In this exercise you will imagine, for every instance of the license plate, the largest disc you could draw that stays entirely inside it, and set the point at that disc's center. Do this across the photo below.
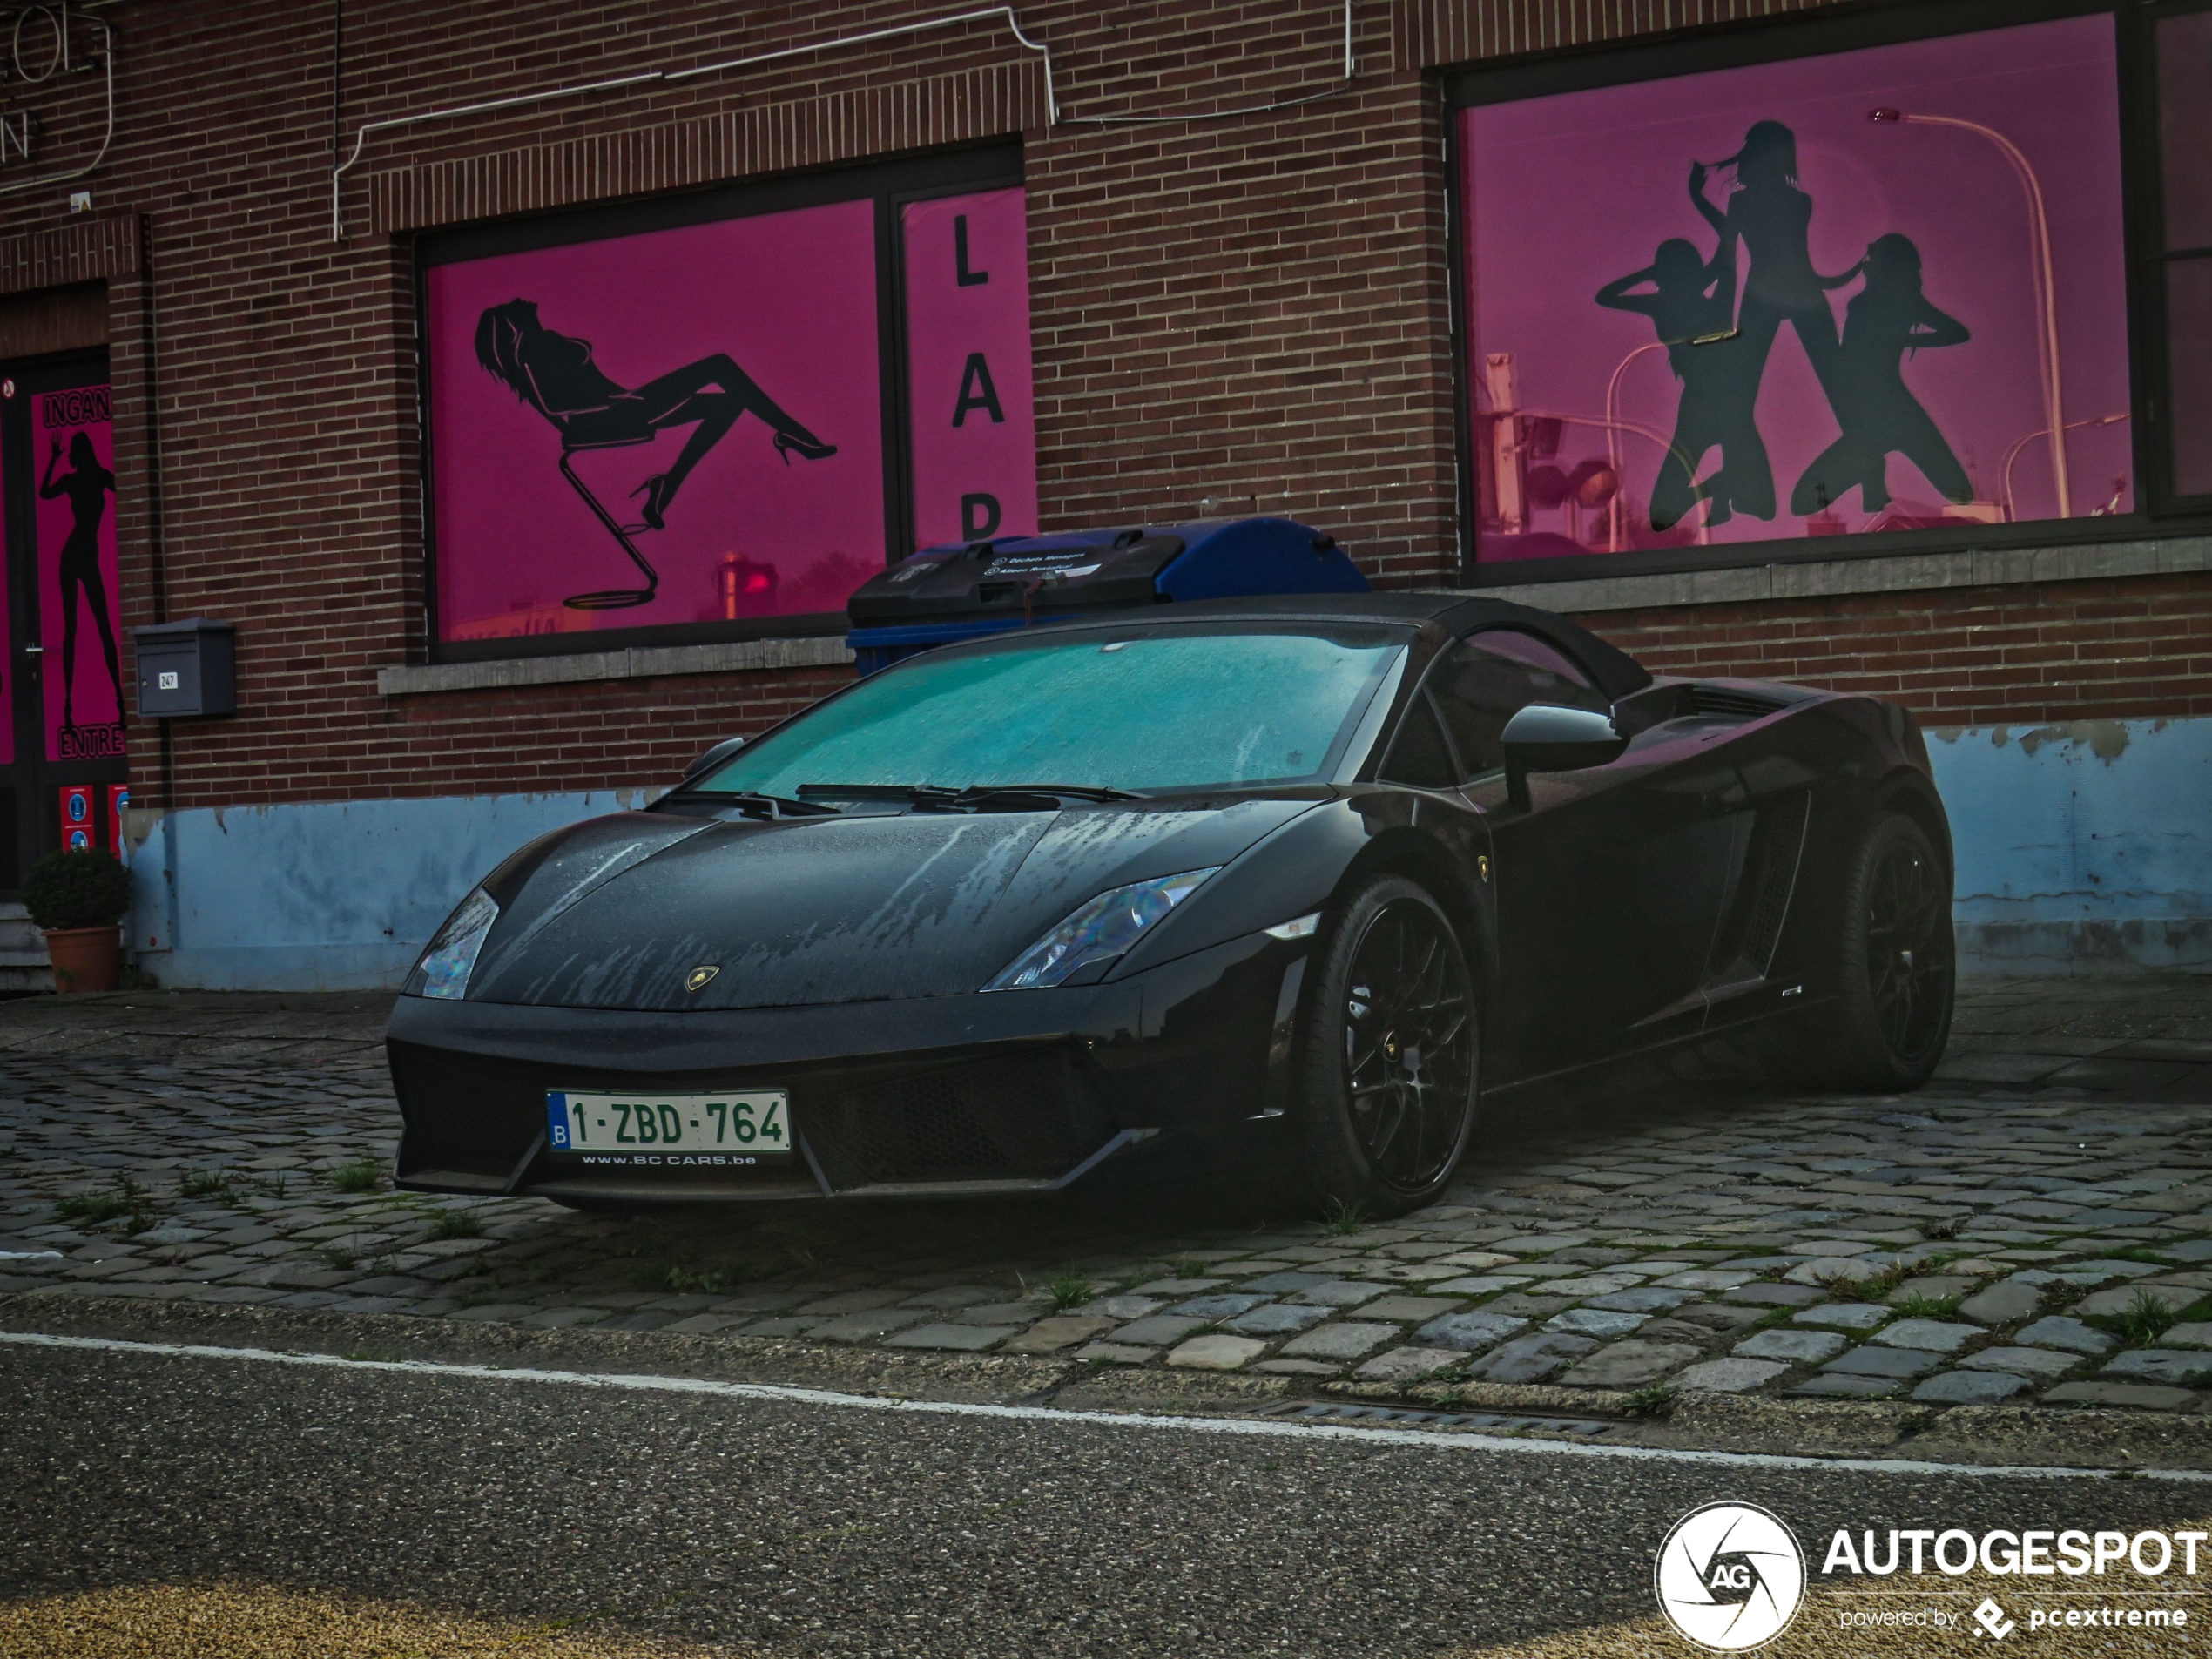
(688, 1129)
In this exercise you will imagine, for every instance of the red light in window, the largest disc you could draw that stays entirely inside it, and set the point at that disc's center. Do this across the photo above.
(744, 587)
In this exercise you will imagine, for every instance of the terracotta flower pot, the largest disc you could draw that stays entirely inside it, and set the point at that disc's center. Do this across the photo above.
(86, 959)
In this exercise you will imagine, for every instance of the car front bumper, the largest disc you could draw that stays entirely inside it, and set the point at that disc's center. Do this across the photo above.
(1020, 1091)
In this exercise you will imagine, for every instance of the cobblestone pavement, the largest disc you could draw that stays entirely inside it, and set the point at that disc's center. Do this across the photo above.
(2035, 1225)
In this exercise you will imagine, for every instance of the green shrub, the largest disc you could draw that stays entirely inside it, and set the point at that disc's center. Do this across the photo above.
(86, 889)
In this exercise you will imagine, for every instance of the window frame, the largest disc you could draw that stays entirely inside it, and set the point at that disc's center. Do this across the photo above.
(889, 185)
(1423, 700)
(1820, 33)
(2150, 257)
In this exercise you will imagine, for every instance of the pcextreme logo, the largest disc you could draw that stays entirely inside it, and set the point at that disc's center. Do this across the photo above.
(1729, 1577)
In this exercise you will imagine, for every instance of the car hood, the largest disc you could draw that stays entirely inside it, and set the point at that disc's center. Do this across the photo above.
(617, 913)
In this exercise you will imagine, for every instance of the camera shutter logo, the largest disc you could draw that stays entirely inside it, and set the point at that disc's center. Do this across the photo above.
(1729, 1577)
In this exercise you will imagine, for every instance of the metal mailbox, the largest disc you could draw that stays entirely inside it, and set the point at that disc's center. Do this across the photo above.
(187, 669)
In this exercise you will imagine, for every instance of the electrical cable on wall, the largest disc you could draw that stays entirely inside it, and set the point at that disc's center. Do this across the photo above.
(658, 76)
(646, 78)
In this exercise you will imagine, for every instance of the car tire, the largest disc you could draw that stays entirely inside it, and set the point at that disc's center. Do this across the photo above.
(1383, 1121)
(1895, 969)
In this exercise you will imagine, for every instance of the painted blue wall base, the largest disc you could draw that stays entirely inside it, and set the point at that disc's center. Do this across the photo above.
(2081, 848)
(2038, 948)
(336, 897)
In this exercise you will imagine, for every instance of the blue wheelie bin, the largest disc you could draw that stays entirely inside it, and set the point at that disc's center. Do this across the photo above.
(964, 589)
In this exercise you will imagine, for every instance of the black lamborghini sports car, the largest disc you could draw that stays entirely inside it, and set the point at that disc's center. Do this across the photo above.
(1329, 871)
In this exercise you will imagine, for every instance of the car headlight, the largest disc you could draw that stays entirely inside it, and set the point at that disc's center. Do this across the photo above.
(1097, 931)
(451, 954)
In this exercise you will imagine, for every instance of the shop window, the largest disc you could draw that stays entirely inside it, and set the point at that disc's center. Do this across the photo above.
(717, 415)
(1817, 281)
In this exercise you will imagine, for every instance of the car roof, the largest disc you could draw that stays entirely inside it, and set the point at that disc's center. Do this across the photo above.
(1617, 673)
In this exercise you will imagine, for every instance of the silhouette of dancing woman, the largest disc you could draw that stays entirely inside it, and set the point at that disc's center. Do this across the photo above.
(1690, 300)
(1772, 217)
(1885, 320)
(87, 485)
(556, 374)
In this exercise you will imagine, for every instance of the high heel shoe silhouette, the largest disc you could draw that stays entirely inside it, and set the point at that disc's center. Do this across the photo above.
(808, 450)
(655, 490)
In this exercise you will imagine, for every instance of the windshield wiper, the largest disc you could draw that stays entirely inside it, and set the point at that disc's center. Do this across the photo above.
(1073, 791)
(876, 792)
(754, 804)
(938, 797)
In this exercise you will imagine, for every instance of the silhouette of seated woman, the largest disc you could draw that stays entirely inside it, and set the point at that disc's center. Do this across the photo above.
(1886, 319)
(1692, 302)
(555, 373)
(87, 484)
(1772, 217)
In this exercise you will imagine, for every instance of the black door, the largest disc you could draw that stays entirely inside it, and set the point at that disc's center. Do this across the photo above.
(62, 767)
(1609, 887)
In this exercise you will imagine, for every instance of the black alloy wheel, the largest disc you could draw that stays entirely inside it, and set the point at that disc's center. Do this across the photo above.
(1896, 967)
(1390, 1056)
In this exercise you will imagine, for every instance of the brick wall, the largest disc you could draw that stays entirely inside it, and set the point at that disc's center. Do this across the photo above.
(549, 737)
(1250, 311)
(2055, 650)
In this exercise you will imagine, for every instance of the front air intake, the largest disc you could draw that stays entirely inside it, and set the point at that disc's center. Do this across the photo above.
(1023, 1117)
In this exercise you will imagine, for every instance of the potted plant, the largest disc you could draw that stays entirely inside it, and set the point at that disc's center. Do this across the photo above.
(78, 899)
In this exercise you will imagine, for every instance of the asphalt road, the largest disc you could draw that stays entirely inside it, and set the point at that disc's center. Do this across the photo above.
(798, 1527)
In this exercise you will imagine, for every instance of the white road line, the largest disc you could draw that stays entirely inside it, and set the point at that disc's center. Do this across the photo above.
(1258, 1428)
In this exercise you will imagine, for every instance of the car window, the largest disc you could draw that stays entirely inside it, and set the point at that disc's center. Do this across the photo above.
(1420, 757)
(1526, 647)
(1489, 678)
(1162, 707)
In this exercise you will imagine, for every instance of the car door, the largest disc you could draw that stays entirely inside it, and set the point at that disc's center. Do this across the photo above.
(1609, 887)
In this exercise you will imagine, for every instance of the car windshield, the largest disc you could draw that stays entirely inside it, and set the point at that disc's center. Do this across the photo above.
(1174, 709)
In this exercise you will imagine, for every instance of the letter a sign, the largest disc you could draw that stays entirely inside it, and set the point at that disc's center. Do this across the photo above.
(973, 413)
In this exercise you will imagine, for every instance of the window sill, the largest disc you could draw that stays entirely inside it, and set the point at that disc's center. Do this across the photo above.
(1900, 573)
(734, 656)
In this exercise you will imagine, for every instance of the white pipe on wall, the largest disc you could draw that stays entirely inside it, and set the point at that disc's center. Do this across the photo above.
(648, 76)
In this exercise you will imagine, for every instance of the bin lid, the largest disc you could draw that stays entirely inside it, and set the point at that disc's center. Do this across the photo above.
(1034, 578)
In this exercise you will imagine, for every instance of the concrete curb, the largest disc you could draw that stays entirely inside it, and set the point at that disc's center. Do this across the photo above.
(2057, 1437)
(2084, 1437)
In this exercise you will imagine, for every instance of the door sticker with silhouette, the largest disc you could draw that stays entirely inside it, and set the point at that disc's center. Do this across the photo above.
(73, 448)
(63, 768)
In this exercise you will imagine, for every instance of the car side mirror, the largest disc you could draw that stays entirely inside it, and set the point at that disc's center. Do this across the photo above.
(713, 758)
(1546, 738)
